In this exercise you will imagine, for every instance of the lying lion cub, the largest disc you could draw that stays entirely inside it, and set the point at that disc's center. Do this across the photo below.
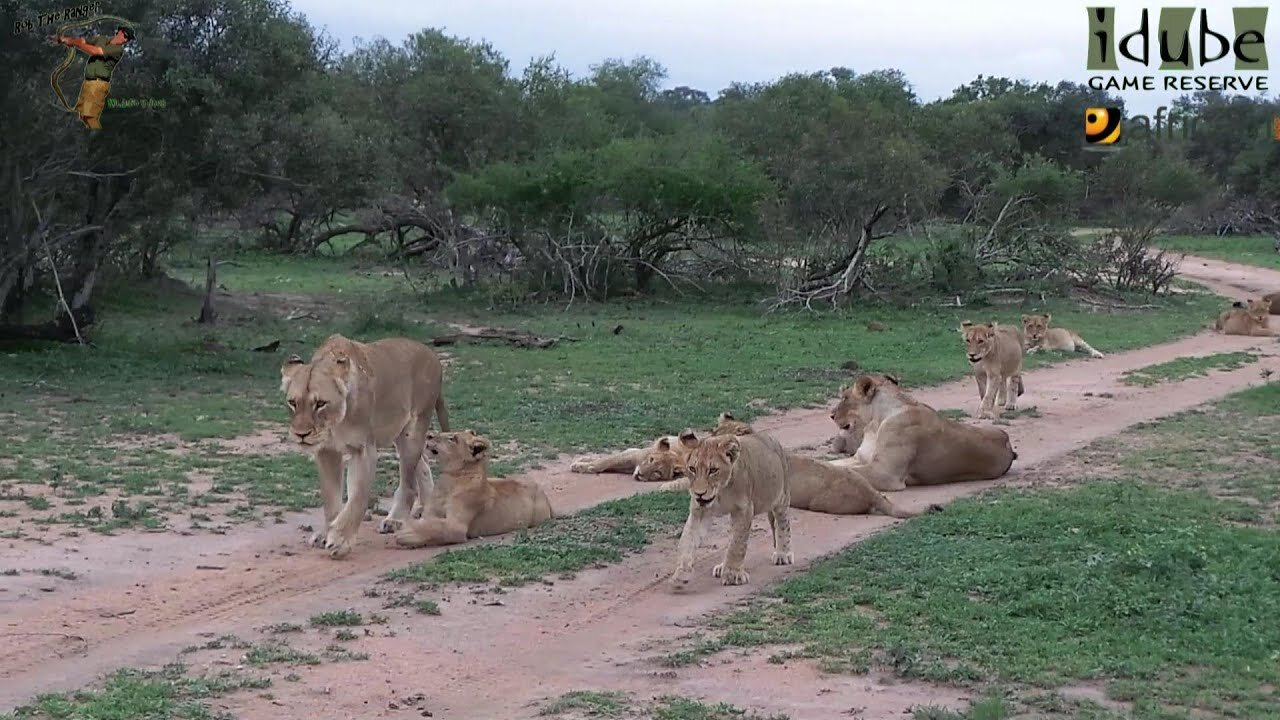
(995, 351)
(475, 506)
(1253, 319)
(1042, 337)
(738, 476)
(905, 442)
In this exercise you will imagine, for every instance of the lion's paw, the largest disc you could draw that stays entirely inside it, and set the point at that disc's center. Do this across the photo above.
(730, 576)
(582, 466)
(338, 546)
(681, 578)
(389, 525)
(783, 558)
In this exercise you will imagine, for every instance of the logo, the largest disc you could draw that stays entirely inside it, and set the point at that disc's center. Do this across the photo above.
(1101, 125)
(1181, 38)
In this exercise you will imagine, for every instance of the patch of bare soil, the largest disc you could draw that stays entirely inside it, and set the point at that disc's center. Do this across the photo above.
(495, 659)
(264, 441)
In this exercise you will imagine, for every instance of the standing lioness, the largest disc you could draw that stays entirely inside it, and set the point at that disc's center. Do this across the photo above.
(995, 351)
(350, 400)
(1042, 337)
(740, 476)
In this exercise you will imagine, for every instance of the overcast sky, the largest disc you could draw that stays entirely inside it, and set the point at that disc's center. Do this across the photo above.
(707, 44)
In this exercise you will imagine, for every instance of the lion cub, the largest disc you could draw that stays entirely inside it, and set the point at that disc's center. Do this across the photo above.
(995, 351)
(474, 506)
(1253, 319)
(740, 476)
(1042, 337)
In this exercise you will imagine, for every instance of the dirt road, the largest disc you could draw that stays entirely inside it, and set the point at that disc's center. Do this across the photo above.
(140, 599)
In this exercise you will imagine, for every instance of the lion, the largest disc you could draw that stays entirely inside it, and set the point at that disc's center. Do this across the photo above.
(905, 442)
(474, 506)
(656, 463)
(740, 476)
(995, 351)
(351, 399)
(1254, 319)
(817, 485)
(1042, 337)
(1273, 302)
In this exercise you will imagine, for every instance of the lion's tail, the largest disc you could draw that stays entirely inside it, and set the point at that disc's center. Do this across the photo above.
(678, 484)
(442, 413)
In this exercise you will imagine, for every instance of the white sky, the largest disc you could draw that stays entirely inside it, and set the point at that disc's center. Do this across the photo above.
(706, 44)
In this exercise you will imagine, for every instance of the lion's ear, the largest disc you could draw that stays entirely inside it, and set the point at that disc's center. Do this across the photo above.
(476, 443)
(1026, 318)
(664, 444)
(964, 326)
(732, 448)
(689, 438)
(1047, 318)
(892, 378)
(865, 386)
(726, 416)
(291, 365)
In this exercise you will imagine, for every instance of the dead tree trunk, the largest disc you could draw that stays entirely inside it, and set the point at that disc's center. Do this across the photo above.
(207, 315)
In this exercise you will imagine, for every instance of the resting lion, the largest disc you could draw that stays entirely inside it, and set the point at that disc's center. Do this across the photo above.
(1042, 337)
(995, 351)
(1254, 319)
(906, 442)
(740, 476)
(652, 464)
(474, 505)
(351, 399)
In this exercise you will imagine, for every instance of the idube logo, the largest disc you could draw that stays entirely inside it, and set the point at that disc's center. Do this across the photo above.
(1101, 125)
(1176, 42)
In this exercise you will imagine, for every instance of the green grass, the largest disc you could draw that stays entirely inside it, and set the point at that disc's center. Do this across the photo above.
(426, 607)
(337, 618)
(1249, 250)
(156, 695)
(1158, 582)
(596, 536)
(608, 704)
(1187, 367)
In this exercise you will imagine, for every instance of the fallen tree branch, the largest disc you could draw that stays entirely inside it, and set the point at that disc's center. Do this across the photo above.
(1117, 306)
(519, 339)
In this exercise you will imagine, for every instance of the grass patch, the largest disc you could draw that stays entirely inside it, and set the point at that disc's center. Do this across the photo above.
(337, 618)
(275, 653)
(597, 704)
(156, 695)
(599, 535)
(1187, 367)
(1259, 250)
(1158, 583)
(427, 607)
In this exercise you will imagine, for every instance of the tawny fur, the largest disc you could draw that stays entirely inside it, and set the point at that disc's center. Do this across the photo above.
(474, 505)
(995, 351)
(1254, 319)
(631, 460)
(1040, 336)
(739, 476)
(1273, 303)
(351, 399)
(905, 442)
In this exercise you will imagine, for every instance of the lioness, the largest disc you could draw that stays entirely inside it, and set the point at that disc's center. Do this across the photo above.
(650, 464)
(741, 476)
(475, 505)
(1042, 337)
(351, 399)
(995, 351)
(905, 442)
(727, 424)
(1253, 319)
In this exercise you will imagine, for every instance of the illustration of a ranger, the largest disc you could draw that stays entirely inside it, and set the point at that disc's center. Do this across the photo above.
(104, 53)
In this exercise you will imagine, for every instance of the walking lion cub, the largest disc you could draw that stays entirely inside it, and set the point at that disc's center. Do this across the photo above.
(1042, 337)
(740, 476)
(995, 351)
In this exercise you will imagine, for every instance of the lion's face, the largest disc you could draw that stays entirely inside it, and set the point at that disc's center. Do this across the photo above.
(853, 409)
(1259, 308)
(978, 340)
(316, 394)
(663, 462)
(710, 466)
(458, 447)
(1035, 327)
